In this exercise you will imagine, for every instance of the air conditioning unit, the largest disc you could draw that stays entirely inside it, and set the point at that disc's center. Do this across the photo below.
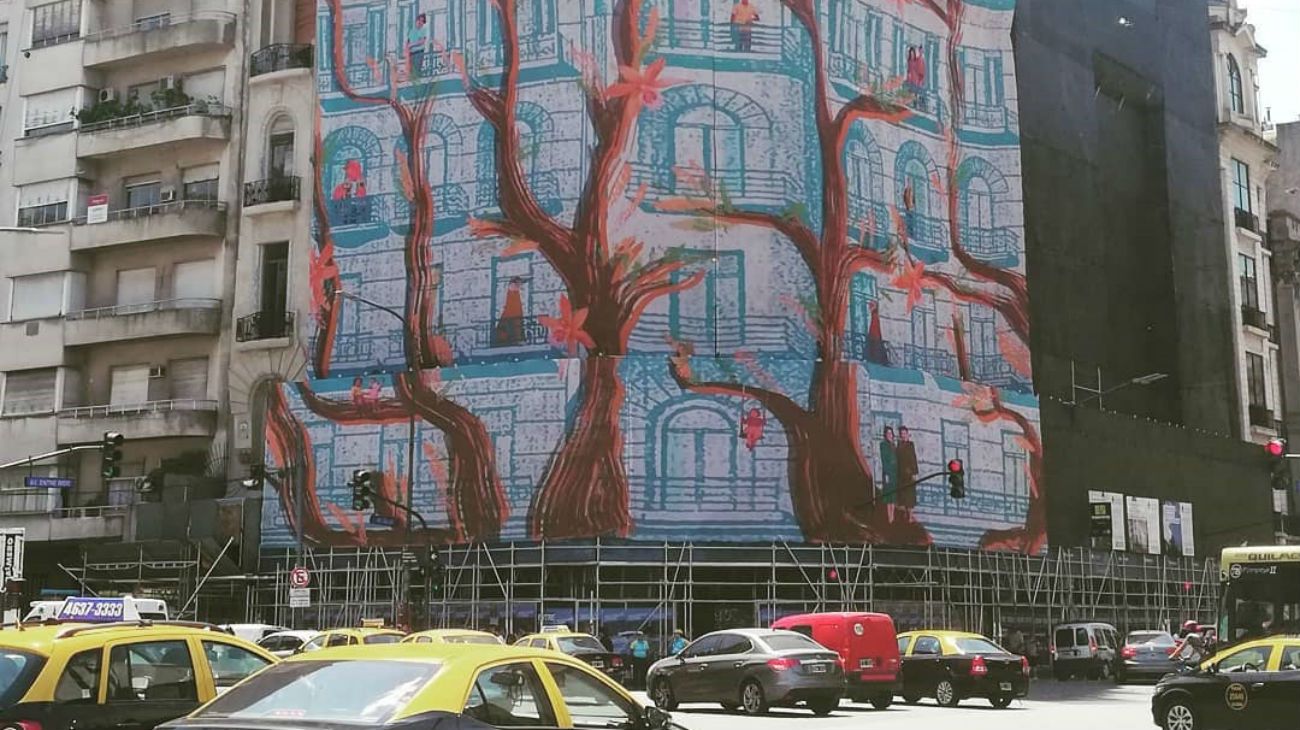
(169, 83)
(158, 371)
(107, 95)
(167, 194)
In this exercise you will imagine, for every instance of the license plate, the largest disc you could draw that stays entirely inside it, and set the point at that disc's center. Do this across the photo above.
(817, 668)
(1005, 686)
(598, 664)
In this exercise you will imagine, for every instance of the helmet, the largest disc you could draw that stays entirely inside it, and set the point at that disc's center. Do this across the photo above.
(1190, 626)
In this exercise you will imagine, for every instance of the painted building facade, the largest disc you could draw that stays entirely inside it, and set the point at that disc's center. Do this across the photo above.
(737, 272)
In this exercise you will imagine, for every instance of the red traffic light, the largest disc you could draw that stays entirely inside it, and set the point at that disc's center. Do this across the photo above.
(1275, 447)
(955, 466)
(832, 574)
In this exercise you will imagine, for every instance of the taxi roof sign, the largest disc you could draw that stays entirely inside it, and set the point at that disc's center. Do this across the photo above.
(97, 610)
(372, 623)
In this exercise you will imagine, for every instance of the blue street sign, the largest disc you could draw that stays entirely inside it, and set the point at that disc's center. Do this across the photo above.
(92, 609)
(49, 482)
(382, 520)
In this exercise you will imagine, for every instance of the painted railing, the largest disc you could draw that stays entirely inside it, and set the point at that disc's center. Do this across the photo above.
(991, 244)
(986, 117)
(754, 186)
(720, 37)
(544, 185)
(737, 495)
(858, 74)
(512, 332)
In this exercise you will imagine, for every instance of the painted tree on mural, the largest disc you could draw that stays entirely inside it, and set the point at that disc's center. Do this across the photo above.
(476, 505)
(584, 490)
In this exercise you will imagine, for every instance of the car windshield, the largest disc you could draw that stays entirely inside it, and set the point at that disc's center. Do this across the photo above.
(364, 691)
(18, 669)
(382, 639)
(471, 639)
(1155, 638)
(790, 642)
(968, 645)
(570, 644)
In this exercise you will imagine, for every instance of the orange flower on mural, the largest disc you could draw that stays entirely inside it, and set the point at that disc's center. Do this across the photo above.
(643, 87)
(566, 329)
(910, 280)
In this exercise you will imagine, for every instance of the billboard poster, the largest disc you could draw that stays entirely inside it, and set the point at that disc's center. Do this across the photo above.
(1114, 506)
(1176, 529)
(1143, 515)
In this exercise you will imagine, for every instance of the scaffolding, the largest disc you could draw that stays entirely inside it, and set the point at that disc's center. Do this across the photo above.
(656, 588)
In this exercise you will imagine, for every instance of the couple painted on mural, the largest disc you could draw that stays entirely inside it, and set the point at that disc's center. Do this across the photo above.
(363, 395)
(899, 469)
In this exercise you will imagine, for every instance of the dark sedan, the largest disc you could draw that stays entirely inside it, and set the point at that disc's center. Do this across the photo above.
(750, 670)
(951, 666)
(1255, 685)
(1145, 655)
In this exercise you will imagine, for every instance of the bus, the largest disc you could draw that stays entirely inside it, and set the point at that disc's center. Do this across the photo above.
(1261, 591)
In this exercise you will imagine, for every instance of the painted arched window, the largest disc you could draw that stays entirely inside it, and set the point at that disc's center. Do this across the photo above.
(915, 170)
(697, 459)
(1236, 92)
(712, 140)
(860, 170)
(535, 129)
(279, 148)
(441, 144)
(917, 178)
(977, 204)
(534, 18)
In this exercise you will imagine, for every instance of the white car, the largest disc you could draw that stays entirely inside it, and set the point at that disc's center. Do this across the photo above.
(252, 632)
(286, 643)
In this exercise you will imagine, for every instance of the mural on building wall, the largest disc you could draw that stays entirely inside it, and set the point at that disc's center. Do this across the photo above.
(665, 269)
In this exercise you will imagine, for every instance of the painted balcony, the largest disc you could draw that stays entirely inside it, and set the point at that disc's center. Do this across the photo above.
(927, 237)
(984, 117)
(851, 71)
(159, 38)
(162, 222)
(768, 189)
(545, 187)
(870, 223)
(194, 122)
(994, 246)
(933, 360)
(509, 337)
(722, 40)
(164, 318)
(149, 420)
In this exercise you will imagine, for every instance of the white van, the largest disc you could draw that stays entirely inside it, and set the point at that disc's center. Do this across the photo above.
(1085, 648)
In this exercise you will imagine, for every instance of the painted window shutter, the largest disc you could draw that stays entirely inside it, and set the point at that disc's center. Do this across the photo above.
(37, 296)
(189, 378)
(194, 280)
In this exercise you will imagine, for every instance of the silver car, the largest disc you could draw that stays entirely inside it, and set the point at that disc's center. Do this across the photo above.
(750, 670)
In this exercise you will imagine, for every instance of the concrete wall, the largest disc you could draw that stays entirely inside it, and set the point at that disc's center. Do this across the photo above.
(96, 364)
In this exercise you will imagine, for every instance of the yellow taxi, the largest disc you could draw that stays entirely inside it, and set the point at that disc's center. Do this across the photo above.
(466, 686)
(1254, 684)
(352, 637)
(581, 646)
(121, 676)
(452, 636)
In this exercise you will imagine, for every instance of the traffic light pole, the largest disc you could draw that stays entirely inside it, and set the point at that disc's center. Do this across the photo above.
(380, 498)
(904, 487)
(29, 460)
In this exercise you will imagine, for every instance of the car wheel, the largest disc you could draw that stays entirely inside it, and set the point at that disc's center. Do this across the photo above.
(663, 696)
(945, 693)
(752, 699)
(882, 702)
(911, 699)
(1105, 670)
(1179, 715)
(822, 706)
(1001, 702)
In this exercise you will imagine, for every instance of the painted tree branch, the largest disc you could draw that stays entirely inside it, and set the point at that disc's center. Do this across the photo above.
(324, 270)
(780, 405)
(384, 411)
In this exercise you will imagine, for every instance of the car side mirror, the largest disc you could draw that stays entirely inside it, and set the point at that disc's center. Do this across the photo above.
(1212, 668)
(656, 719)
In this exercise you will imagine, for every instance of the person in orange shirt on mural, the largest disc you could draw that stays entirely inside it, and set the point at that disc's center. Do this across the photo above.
(510, 325)
(743, 18)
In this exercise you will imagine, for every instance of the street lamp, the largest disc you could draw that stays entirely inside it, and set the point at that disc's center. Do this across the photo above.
(1097, 395)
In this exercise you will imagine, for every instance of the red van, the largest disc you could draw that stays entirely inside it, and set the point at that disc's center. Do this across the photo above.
(866, 644)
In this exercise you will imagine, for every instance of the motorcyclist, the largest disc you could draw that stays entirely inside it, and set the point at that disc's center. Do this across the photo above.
(1189, 652)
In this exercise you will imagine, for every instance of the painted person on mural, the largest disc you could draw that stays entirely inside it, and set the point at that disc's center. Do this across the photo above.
(908, 471)
(743, 18)
(876, 351)
(888, 471)
(510, 325)
(417, 41)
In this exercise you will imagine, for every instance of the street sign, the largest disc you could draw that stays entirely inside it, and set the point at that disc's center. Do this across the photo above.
(299, 598)
(11, 554)
(97, 208)
(382, 520)
(49, 482)
(299, 577)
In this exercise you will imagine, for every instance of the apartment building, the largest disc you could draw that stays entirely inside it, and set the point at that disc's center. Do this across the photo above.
(123, 174)
(1246, 159)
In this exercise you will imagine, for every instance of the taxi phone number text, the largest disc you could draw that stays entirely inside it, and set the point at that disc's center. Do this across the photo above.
(95, 610)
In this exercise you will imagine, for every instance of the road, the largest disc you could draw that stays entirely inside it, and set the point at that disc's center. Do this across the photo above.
(1050, 705)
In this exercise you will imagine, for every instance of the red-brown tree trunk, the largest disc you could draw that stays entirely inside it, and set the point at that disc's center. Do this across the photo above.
(584, 492)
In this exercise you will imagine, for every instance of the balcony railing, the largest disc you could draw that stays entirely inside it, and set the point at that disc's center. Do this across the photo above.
(157, 116)
(1246, 219)
(1252, 317)
(984, 116)
(266, 325)
(706, 35)
(143, 211)
(352, 211)
(280, 57)
(271, 190)
(132, 409)
(1260, 416)
(514, 332)
(157, 22)
(162, 305)
(990, 243)
(849, 68)
(933, 360)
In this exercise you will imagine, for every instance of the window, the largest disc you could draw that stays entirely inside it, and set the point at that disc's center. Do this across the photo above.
(862, 294)
(189, 378)
(49, 112)
(231, 664)
(153, 670)
(195, 279)
(1236, 92)
(340, 640)
(80, 679)
(1290, 658)
(56, 23)
(1241, 186)
(135, 286)
(1015, 465)
(382, 639)
(1255, 380)
(1249, 281)
(316, 643)
(711, 140)
(537, 643)
(977, 204)
(274, 280)
(572, 644)
(128, 385)
(707, 646)
(279, 157)
(1081, 637)
(732, 644)
(903, 641)
(36, 296)
(978, 646)
(956, 442)
(1254, 659)
(509, 695)
(927, 645)
(436, 144)
(786, 642)
(423, 640)
(512, 288)
(43, 215)
(591, 703)
(29, 391)
(142, 193)
(712, 311)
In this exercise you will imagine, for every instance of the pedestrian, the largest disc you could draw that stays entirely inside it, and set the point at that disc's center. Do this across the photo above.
(640, 660)
(678, 643)
(743, 18)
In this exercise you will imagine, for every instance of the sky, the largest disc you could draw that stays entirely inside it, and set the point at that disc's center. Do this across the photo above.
(1277, 28)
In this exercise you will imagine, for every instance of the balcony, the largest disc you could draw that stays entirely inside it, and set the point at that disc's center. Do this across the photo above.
(196, 121)
(71, 523)
(513, 335)
(165, 221)
(1247, 220)
(1261, 416)
(721, 38)
(150, 420)
(1252, 317)
(280, 57)
(165, 318)
(265, 325)
(993, 246)
(768, 189)
(271, 190)
(156, 38)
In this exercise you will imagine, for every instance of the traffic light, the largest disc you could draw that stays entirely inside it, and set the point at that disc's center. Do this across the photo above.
(151, 482)
(1278, 471)
(436, 572)
(956, 479)
(360, 484)
(110, 454)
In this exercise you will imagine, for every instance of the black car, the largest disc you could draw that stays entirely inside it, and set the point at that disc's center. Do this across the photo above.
(1254, 685)
(951, 666)
(1145, 655)
(750, 670)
